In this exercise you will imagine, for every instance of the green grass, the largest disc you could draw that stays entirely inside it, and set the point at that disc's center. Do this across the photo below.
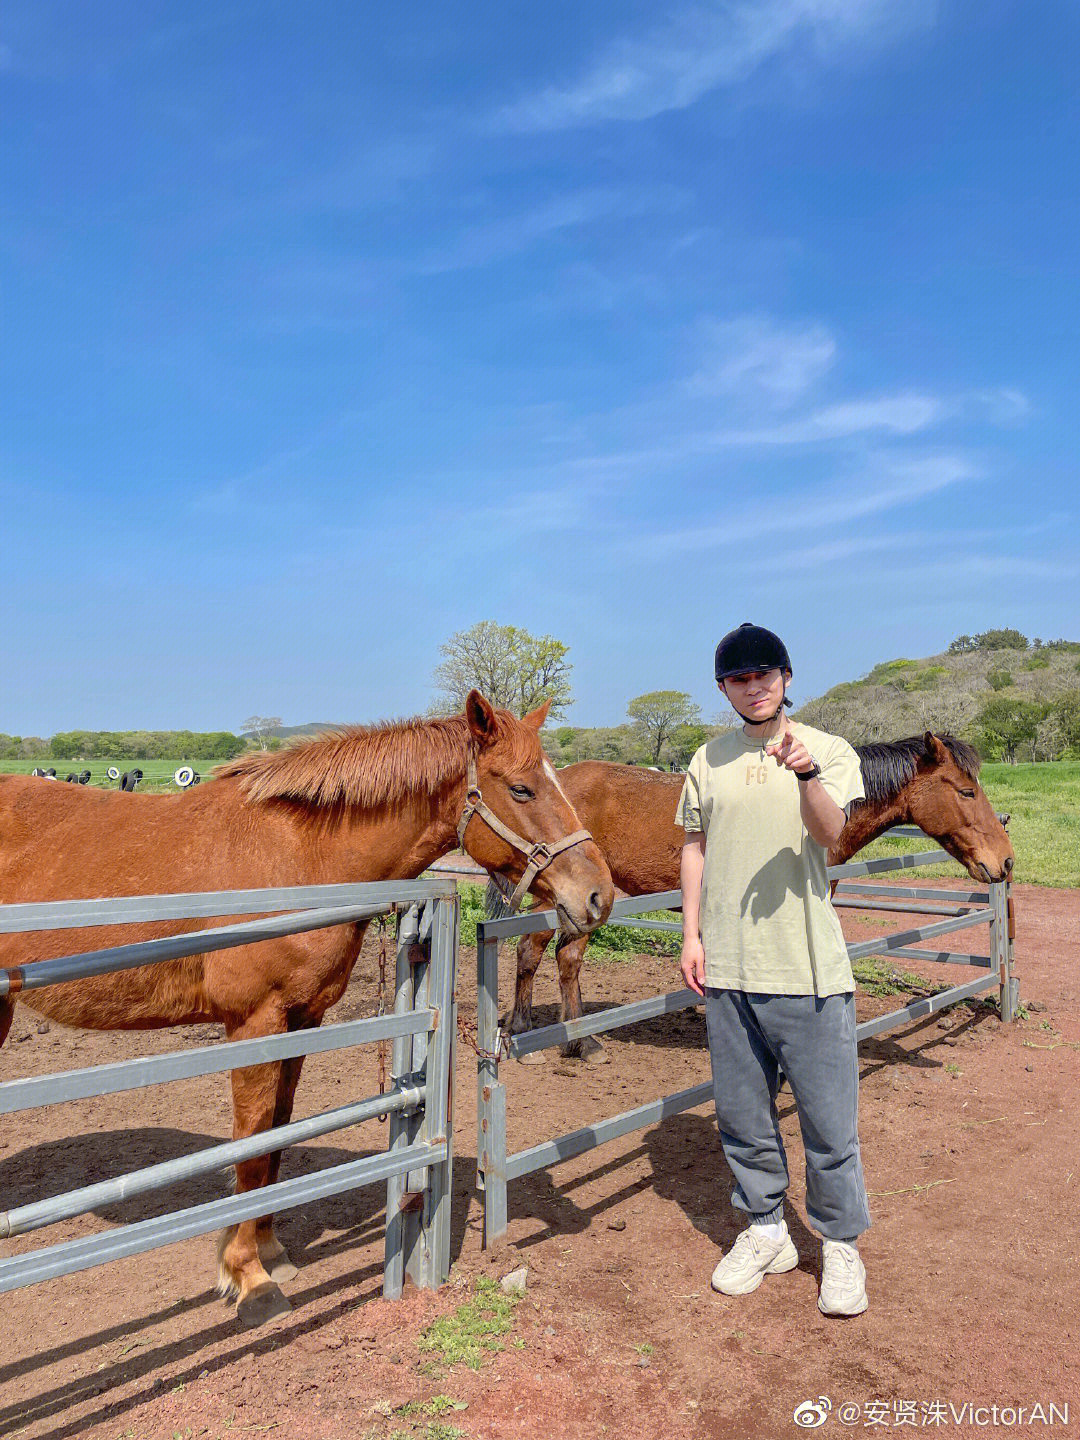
(472, 1331)
(157, 774)
(608, 942)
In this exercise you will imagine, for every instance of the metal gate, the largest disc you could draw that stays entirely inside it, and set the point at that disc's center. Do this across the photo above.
(417, 1163)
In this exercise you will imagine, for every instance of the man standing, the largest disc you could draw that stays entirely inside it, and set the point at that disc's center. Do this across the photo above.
(762, 943)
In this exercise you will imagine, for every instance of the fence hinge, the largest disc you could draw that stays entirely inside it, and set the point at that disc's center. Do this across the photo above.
(411, 1200)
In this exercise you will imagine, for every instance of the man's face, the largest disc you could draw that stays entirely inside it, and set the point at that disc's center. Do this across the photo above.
(756, 694)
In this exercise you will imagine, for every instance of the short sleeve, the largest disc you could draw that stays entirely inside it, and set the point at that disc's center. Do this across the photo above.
(841, 774)
(688, 810)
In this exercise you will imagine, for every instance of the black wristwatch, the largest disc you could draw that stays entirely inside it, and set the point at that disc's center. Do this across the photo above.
(804, 775)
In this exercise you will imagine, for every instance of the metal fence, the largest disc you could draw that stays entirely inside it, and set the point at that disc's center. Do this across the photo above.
(962, 910)
(417, 1163)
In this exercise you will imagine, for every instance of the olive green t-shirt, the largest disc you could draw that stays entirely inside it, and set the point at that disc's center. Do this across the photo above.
(767, 922)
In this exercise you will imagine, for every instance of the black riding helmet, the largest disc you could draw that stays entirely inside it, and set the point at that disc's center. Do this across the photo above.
(749, 648)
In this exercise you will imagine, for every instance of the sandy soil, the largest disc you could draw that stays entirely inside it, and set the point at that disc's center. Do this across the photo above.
(972, 1161)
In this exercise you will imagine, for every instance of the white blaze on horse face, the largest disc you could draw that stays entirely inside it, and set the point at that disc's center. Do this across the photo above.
(550, 773)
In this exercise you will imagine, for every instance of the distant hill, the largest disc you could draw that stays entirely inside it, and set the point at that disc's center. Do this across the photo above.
(983, 688)
(286, 732)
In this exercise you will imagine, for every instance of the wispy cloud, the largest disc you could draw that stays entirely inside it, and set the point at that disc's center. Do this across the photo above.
(753, 357)
(507, 235)
(885, 483)
(707, 47)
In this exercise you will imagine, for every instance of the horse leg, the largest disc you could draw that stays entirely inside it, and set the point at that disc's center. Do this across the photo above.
(255, 1091)
(272, 1253)
(530, 951)
(7, 1014)
(569, 955)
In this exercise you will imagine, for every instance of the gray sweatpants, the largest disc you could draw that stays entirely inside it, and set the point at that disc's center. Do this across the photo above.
(812, 1040)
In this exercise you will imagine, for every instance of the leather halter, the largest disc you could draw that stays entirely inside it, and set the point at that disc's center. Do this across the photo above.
(538, 856)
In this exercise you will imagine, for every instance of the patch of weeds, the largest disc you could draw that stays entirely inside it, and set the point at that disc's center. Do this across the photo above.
(433, 1430)
(645, 1349)
(463, 1337)
(878, 977)
(437, 1405)
(953, 1069)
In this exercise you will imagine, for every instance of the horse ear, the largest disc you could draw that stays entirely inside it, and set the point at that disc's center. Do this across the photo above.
(935, 748)
(536, 717)
(481, 718)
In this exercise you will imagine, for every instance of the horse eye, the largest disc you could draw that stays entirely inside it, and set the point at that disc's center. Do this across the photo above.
(968, 794)
(521, 792)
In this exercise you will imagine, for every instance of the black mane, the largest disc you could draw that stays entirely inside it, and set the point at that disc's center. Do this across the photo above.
(887, 766)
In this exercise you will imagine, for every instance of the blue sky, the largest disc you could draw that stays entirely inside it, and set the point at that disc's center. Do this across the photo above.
(331, 329)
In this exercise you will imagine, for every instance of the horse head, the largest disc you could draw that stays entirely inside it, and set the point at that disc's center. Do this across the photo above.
(946, 801)
(518, 824)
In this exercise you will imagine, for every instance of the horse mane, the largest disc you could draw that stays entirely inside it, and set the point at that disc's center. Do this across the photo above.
(887, 766)
(374, 766)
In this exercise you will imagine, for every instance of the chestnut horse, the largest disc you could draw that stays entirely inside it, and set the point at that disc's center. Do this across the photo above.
(362, 805)
(926, 780)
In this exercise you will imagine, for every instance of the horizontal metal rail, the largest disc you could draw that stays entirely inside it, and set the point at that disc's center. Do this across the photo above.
(908, 892)
(924, 932)
(850, 902)
(577, 1142)
(83, 1254)
(941, 957)
(40, 973)
(203, 1162)
(887, 862)
(110, 1079)
(130, 909)
(925, 1006)
(531, 1040)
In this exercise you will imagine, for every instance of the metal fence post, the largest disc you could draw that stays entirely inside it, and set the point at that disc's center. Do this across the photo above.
(438, 1116)
(403, 1127)
(1001, 939)
(491, 1093)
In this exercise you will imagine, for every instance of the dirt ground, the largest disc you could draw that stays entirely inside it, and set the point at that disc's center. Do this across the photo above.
(972, 1159)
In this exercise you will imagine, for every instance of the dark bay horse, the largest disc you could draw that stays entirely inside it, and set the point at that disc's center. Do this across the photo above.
(367, 804)
(926, 780)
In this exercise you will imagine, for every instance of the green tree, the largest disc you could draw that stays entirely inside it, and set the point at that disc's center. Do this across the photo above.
(1001, 640)
(259, 728)
(1006, 726)
(999, 679)
(657, 714)
(962, 644)
(513, 668)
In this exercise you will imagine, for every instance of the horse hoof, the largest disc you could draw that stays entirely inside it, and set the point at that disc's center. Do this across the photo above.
(588, 1050)
(261, 1305)
(280, 1268)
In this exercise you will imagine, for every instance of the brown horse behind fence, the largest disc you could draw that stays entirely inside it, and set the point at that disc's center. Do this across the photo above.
(362, 805)
(926, 780)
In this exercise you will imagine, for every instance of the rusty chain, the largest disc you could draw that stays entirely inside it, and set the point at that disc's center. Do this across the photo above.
(468, 1032)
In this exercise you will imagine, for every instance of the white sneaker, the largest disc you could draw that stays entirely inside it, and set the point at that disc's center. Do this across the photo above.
(843, 1280)
(751, 1258)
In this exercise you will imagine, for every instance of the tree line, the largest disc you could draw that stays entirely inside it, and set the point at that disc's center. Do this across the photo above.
(180, 745)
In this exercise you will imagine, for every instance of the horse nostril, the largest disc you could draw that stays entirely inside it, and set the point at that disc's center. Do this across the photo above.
(595, 906)
(1008, 866)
